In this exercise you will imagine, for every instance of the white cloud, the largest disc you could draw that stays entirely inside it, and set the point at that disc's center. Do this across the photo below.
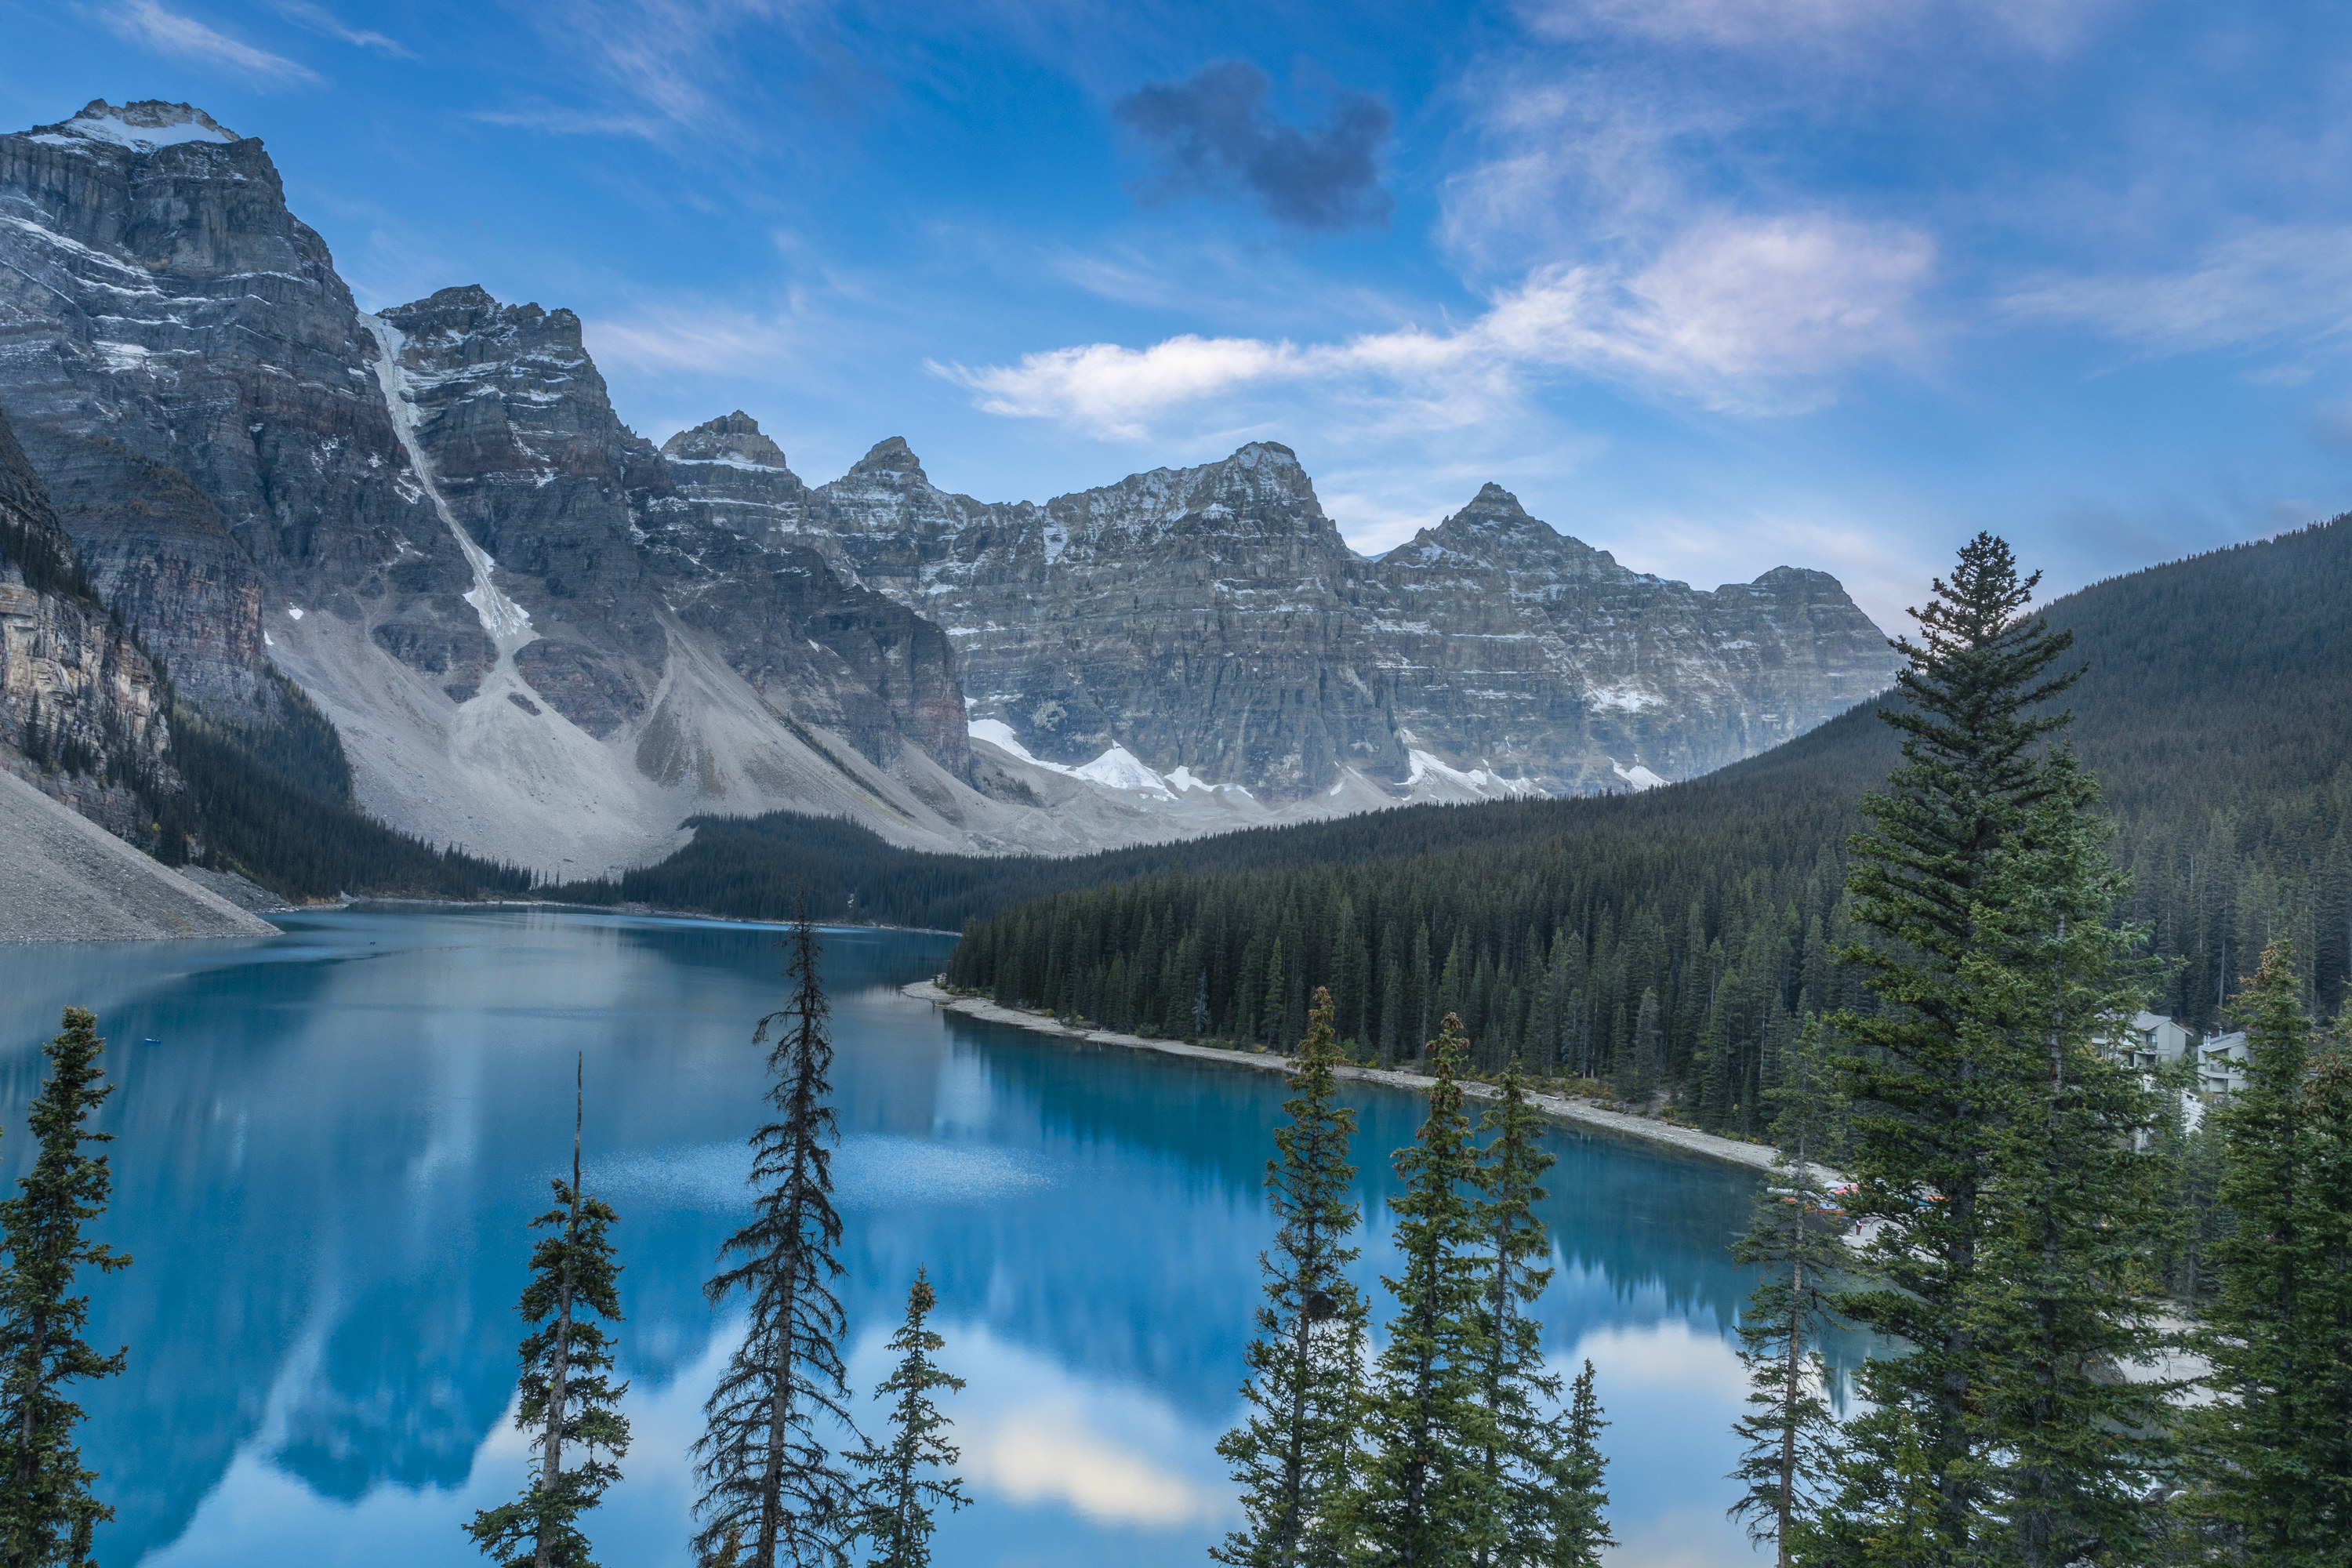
(149, 25)
(1741, 315)
(2256, 285)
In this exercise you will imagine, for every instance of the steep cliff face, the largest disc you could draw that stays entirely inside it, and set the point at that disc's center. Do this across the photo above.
(81, 711)
(1211, 623)
(158, 294)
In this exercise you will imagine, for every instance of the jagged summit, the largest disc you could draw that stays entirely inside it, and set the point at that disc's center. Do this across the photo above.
(142, 126)
(729, 439)
(892, 459)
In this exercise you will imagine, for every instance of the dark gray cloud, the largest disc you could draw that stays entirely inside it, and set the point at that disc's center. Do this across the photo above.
(1216, 132)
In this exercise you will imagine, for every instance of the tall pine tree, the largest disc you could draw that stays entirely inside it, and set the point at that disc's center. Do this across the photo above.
(1525, 1436)
(2070, 1449)
(48, 1512)
(1422, 1499)
(1789, 1436)
(903, 1484)
(1925, 1094)
(567, 1393)
(1580, 1518)
(767, 1477)
(2274, 1473)
(1291, 1457)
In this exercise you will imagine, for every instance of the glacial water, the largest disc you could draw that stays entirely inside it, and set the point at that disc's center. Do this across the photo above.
(326, 1159)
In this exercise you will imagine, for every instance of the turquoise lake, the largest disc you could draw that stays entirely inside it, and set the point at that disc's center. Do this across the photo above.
(325, 1163)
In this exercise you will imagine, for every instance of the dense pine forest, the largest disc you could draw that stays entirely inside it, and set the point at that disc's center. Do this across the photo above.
(1673, 941)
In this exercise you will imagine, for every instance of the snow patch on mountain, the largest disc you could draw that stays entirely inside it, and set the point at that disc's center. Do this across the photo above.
(1637, 776)
(1117, 768)
(142, 127)
(1427, 769)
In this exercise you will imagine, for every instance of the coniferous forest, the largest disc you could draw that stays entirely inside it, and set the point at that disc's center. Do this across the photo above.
(1670, 943)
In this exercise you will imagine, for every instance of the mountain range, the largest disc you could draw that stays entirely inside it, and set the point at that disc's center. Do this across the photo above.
(540, 638)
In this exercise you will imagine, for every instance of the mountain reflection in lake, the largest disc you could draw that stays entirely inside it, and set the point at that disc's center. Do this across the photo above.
(326, 1165)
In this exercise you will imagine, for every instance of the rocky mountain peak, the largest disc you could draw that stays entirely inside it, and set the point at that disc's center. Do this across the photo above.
(1272, 455)
(142, 126)
(892, 461)
(729, 439)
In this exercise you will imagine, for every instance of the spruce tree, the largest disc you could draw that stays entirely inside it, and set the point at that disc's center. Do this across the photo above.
(1580, 1520)
(567, 1393)
(1525, 1437)
(1423, 1500)
(1925, 1093)
(767, 1477)
(1291, 1457)
(2272, 1449)
(902, 1484)
(1789, 1434)
(2069, 1449)
(48, 1512)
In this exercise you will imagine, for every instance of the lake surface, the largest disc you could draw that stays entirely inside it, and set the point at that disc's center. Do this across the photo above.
(325, 1166)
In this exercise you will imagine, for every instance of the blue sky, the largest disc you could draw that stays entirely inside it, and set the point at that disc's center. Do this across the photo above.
(1714, 284)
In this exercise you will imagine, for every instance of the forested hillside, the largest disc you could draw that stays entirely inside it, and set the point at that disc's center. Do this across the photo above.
(1672, 939)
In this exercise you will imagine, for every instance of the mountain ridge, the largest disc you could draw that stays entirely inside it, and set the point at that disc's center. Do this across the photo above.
(546, 639)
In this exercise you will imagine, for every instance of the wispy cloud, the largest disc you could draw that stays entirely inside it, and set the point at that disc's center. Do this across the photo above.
(1751, 317)
(151, 25)
(570, 122)
(319, 20)
(671, 339)
(2255, 287)
(674, 60)
(2042, 26)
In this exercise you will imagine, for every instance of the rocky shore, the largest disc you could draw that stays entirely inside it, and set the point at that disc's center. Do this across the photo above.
(1576, 1112)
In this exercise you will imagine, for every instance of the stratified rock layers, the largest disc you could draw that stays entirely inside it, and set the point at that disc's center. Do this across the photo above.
(1212, 619)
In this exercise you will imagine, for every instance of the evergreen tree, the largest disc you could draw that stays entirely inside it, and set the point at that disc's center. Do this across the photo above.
(2069, 1449)
(567, 1394)
(48, 1512)
(1525, 1439)
(901, 1484)
(1291, 1456)
(766, 1474)
(2273, 1449)
(1579, 1523)
(1423, 1501)
(1789, 1434)
(1924, 1092)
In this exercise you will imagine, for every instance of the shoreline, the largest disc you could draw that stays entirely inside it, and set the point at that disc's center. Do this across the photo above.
(634, 911)
(1581, 1114)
